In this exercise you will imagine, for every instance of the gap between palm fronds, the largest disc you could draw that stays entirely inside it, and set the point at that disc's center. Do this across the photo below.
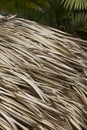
(43, 78)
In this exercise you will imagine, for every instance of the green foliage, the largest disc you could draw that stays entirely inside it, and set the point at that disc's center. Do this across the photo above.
(16, 5)
(75, 4)
(76, 20)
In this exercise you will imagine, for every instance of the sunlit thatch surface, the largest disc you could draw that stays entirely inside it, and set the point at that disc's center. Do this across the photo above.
(43, 78)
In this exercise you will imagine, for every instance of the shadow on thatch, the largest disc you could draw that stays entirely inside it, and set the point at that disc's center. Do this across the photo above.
(43, 78)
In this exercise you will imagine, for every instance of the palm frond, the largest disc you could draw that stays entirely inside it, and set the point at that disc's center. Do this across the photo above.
(75, 4)
(79, 18)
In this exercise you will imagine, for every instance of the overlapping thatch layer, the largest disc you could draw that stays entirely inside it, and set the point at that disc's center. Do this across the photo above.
(43, 78)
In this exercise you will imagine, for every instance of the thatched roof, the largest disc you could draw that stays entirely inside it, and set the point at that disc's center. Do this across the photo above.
(43, 78)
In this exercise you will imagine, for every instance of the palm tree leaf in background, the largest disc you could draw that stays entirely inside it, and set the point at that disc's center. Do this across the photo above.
(75, 4)
(79, 17)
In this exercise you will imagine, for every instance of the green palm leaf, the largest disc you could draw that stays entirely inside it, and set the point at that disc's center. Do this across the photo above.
(79, 18)
(75, 4)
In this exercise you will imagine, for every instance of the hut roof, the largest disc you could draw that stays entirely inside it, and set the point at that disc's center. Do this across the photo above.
(43, 78)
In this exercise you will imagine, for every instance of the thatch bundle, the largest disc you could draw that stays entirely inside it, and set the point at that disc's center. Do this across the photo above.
(43, 78)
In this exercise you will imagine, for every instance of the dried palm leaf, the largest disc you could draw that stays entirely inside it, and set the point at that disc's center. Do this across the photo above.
(43, 78)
